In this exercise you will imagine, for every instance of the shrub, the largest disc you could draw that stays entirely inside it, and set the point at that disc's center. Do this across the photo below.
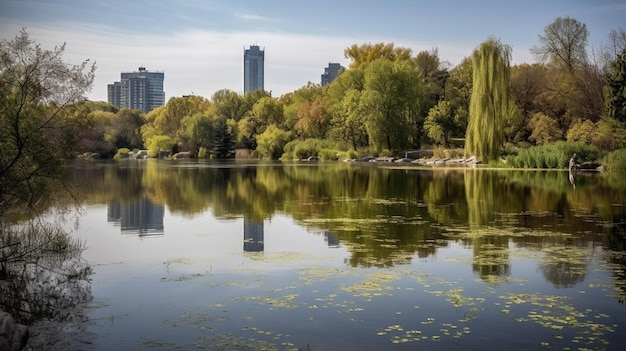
(615, 161)
(301, 149)
(203, 153)
(553, 155)
(121, 153)
(347, 155)
(328, 155)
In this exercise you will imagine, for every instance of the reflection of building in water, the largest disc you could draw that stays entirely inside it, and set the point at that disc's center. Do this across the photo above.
(141, 217)
(331, 239)
(252, 236)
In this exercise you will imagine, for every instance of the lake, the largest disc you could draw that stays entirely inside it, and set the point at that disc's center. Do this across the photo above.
(336, 256)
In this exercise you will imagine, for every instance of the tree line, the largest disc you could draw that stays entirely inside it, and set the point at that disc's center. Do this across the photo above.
(390, 100)
(387, 101)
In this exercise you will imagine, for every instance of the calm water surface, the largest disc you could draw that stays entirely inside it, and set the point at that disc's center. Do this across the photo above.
(251, 256)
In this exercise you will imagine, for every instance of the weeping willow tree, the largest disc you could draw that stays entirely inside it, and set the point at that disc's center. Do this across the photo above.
(489, 101)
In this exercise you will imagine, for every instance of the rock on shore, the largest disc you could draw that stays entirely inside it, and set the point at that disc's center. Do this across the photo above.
(13, 336)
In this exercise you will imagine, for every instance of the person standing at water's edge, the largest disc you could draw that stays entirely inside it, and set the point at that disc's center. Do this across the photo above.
(572, 163)
(572, 169)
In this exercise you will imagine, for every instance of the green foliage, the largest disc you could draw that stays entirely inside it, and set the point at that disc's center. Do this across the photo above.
(167, 120)
(615, 161)
(100, 106)
(229, 105)
(489, 101)
(271, 142)
(157, 144)
(299, 149)
(545, 129)
(371, 52)
(203, 153)
(514, 126)
(196, 132)
(348, 124)
(582, 131)
(351, 154)
(121, 153)
(328, 155)
(554, 155)
(223, 143)
(378, 104)
(266, 112)
(41, 116)
(615, 90)
(439, 122)
(611, 134)
(387, 100)
(308, 103)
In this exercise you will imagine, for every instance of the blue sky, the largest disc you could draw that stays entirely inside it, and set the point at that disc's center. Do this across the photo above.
(199, 44)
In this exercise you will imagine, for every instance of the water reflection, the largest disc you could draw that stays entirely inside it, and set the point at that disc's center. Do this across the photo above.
(384, 217)
(252, 236)
(434, 240)
(141, 217)
(331, 239)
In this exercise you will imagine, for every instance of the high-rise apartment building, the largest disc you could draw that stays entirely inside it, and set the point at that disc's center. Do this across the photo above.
(253, 69)
(330, 73)
(141, 90)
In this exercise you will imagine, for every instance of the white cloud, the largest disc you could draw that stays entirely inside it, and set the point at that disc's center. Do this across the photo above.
(247, 16)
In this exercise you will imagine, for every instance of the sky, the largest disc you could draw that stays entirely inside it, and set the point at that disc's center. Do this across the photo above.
(199, 44)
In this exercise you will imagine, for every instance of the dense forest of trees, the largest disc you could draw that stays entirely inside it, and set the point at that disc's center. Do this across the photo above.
(390, 100)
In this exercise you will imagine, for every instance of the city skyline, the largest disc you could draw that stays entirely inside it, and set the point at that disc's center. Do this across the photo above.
(198, 43)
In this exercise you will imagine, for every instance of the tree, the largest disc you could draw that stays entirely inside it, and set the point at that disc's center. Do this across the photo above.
(614, 48)
(272, 142)
(544, 129)
(370, 52)
(582, 131)
(196, 132)
(297, 103)
(266, 111)
(223, 143)
(615, 90)
(127, 125)
(563, 44)
(168, 120)
(440, 123)
(229, 104)
(41, 115)
(391, 104)
(434, 72)
(347, 120)
(313, 119)
(157, 144)
(39, 95)
(489, 101)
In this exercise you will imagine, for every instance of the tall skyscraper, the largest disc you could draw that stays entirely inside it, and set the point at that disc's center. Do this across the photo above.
(253, 67)
(141, 90)
(330, 73)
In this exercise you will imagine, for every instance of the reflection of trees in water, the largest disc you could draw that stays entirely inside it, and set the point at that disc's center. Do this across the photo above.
(441, 197)
(44, 274)
(491, 256)
(382, 215)
(565, 266)
(614, 252)
(491, 252)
